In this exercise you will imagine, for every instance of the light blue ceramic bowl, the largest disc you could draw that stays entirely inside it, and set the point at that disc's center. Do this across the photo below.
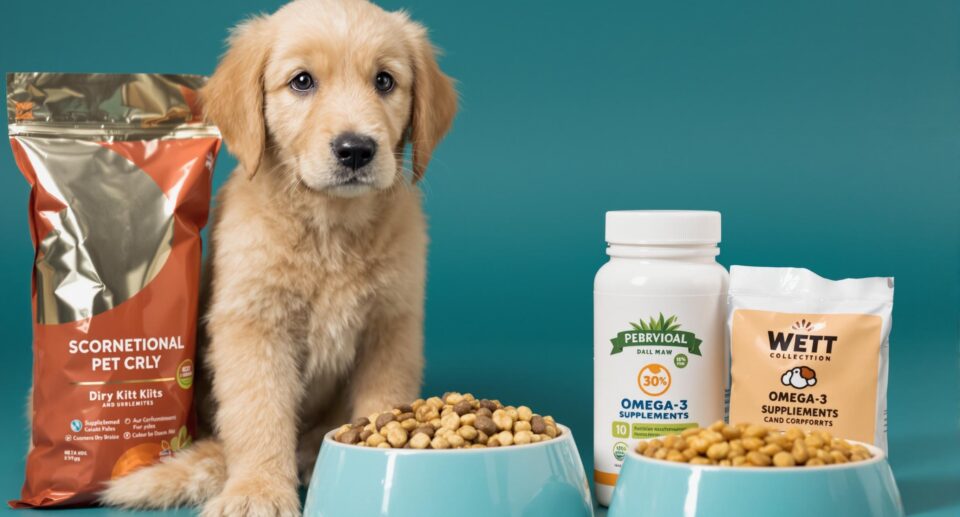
(649, 487)
(537, 480)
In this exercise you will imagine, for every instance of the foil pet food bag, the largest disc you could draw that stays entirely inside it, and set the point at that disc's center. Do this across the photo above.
(120, 172)
(810, 353)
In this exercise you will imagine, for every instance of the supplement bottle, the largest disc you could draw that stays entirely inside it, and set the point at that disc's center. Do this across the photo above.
(659, 315)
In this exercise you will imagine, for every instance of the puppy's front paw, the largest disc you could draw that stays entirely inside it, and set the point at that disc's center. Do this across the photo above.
(254, 501)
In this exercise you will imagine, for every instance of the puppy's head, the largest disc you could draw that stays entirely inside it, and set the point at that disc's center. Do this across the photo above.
(330, 90)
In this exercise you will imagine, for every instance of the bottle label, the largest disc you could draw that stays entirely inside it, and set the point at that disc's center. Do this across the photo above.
(658, 369)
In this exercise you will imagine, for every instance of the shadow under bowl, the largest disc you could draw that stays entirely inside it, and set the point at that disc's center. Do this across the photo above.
(541, 479)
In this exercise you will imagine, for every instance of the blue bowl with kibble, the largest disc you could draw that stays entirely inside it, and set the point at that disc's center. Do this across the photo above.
(652, 487)
(543, 479)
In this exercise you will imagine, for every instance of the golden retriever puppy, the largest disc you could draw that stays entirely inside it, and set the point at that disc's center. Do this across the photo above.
(318, 255)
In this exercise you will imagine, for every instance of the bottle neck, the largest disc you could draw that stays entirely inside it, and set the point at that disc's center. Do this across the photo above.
(691, 252)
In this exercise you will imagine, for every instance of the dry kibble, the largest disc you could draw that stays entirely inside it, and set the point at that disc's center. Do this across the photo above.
(468, 433)
(350, 436)
(375, 440)
(718, 451)
(771, 449)
(503, 420)
(397, 436)
(524, 413)
(419, 441)
(677, 456)
(783, 459)
(452, 421)
(537, 425)
(463, 407)
(486, 425)
(455, 440)
(522, 438)
(758, 459)
(751, 445)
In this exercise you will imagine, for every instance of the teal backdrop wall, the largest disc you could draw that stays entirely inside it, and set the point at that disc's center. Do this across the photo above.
(826, 132)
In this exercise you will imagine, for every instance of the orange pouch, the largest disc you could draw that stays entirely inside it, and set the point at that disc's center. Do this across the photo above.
(120, 172)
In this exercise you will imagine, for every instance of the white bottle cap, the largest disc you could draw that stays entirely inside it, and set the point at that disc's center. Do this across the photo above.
(663, 227)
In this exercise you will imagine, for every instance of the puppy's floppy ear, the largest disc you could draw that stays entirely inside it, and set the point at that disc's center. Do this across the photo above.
(233, 98)
(434, 99)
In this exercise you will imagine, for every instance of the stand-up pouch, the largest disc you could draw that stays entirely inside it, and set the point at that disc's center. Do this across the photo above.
(120, 172)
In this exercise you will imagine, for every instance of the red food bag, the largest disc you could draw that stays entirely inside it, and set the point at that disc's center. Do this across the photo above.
(120, 168)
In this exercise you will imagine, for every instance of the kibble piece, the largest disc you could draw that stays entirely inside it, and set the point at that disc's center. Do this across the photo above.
(468, 432)
(521, 425)
(503, 421)
(524, 413)
(800, 454)
(771, 449)
(522, 438)
(537, 424)
(419, 441)
(784, 459)
(397, 436)
(440, 442)
(486, 425)
(505, 438)
(758, 459)
(730, 432)
(350, 436)
(463, 407)
(375, 439)
(718, 451)
(455, 440)
(451, 421)
(384, 419)
(360, 422)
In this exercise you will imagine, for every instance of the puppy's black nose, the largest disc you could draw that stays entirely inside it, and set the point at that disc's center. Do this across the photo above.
(353, 150)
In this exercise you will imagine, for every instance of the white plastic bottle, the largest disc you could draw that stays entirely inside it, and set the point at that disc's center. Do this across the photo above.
(659, 313)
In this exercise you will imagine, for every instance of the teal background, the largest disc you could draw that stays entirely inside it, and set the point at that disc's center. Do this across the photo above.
(826, 133)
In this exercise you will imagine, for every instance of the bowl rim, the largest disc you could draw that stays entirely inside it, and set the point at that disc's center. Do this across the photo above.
(565, 436)
(878, 456)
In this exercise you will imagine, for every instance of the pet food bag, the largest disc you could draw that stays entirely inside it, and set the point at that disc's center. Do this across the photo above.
(120, 172)
(810, 353)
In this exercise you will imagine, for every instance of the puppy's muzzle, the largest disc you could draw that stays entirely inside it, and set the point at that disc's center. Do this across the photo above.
(353, 150)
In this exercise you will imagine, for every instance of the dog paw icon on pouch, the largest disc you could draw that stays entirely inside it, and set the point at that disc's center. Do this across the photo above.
(799, 377)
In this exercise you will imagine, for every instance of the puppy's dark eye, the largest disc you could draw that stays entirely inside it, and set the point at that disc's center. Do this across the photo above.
(302, 82)
(384, 82)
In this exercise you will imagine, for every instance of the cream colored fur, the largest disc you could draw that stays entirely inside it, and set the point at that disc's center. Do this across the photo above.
(316, 302)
